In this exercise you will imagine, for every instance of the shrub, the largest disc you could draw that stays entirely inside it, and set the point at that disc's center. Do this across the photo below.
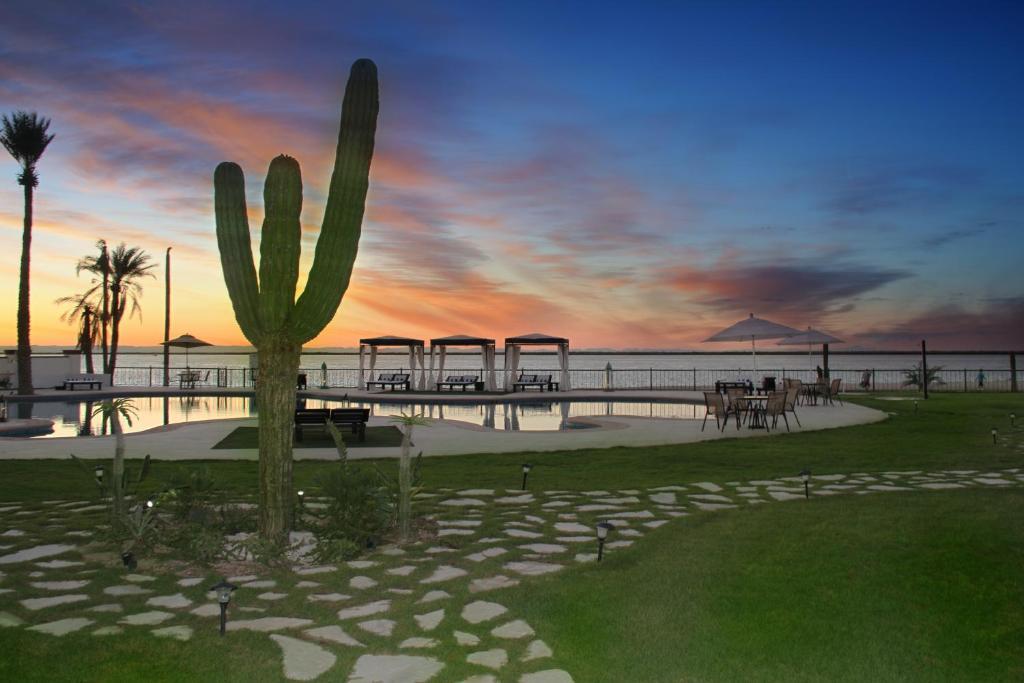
(359, 511)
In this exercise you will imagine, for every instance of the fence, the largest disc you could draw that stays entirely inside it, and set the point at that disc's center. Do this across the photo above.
(653, 379)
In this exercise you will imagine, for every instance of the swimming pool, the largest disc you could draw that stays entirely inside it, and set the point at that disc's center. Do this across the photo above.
(71, 418)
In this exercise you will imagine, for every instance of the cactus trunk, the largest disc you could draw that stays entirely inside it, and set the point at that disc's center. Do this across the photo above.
(266, 308)
(275, 401)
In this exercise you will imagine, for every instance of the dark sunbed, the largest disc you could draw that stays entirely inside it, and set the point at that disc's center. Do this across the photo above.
(541, 382)
(316, 418)
(395, 381)
(463, 381)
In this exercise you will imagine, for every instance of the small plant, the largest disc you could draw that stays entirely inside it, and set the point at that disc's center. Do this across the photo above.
(406, 476)
(359, 511)
(339, 441)
(912, 377)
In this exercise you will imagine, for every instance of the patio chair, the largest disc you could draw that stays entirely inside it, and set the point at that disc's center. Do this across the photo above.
(831, 392)
(775, 408)
(737, 403)
(792, 396)
(714, 404)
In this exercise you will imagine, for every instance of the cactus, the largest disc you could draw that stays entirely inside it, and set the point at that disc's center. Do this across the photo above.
(270, 316)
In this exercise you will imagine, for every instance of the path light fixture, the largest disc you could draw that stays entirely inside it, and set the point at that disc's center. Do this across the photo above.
(98, 473)
(602, 535)
(302, 497)
(806, 476)
(129, 561)
(526, 472)
(1013, 419)
(915, 406)
(995, 433)
(224, 590)
(149, 505)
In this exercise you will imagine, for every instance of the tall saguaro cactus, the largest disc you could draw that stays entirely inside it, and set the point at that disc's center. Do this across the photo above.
(271, 317)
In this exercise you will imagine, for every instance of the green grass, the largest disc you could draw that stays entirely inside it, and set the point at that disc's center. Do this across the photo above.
(376, 437)
(914, 587)
(948, 431)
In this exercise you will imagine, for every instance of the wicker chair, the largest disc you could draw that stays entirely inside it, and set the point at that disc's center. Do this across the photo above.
(714, 404)
(832, 392)
(792, 397)
(775, 408)
(737, 403)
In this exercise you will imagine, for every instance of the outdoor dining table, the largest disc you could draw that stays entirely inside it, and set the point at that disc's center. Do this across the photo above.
(756, 411)
(187, 379)
(813, 391)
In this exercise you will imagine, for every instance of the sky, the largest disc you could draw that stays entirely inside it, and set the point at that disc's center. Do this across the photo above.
(628, 175)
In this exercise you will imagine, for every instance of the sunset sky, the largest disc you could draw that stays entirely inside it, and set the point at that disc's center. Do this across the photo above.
(625, 174)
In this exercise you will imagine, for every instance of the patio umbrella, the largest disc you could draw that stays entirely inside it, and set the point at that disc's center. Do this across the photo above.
(811, 337)
(753, 329)
(186, 341)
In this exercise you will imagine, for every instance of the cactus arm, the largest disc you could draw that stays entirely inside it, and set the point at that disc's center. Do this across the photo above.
(235, 250)
(343, 216)
(280, 243)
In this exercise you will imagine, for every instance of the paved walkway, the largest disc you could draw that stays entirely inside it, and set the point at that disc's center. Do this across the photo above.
(194, 441)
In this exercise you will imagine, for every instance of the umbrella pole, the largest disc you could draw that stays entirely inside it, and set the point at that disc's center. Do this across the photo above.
(753, 347)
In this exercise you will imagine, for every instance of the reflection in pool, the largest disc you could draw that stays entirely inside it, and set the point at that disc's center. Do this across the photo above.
(72, 418)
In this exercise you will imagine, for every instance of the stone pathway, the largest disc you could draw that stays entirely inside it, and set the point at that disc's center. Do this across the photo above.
(389, 616)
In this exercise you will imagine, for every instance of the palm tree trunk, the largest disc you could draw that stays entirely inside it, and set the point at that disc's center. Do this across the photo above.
(85, 340)
(167, 318)
(275, 400)
(117, 471)
(117, 311)
(24, 347)
(105, 320)
(405, 488)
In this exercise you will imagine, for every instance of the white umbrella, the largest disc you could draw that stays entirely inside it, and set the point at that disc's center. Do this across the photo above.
(753, 329)
(186, 341)
(811, 337)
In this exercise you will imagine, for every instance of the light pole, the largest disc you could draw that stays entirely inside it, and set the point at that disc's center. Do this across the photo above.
(602, 535)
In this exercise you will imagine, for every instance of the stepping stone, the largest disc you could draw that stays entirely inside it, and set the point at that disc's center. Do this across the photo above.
(444, 573)
(430, 620)
(332, 634)
(477, 492)
(59, 585)
(126, 589)
(513, 630)
(989, 481)
(418, 643)
(711, 507)
(433, 596)
(663, 498)
(544, 548)
(522, 533)
(189, 582)
(307, 584)
(492, 583)
(618, 544)
(714, 488)
(244, 578)
(440, 549)
(576, 539)
(380, 627)
(887, 487)
(655, 524)
(42, 603)
(548, 676)
(487, 553)
(941, 486)
(272, 596)
(109, 607)
(556, 504)
(480, 678)
(639, 514)
(210, 609)
(466, 639)
(394, 669)
(140, 578)
(628, 500)
(369, 609)
(108, 631)
(362, 564)
(456, 532)
(59, 564)
(830, 477)
(303, 661)
(36, 553)
(535, 568)
(182, 633)
(13, 533)
(513, 500)
(176, 601)
(146, 618)
(8, 620)
(361, 582)
(586, 557)
(62, 626)
(267, 624)
(327, 597)
(782, 495)
(537, 649)
(492, 659)
(460, 522)
(401, 591)
(597, 508)
(574, 528)
(480, 611)
(463, 502)
(266, 583)
(711, 497)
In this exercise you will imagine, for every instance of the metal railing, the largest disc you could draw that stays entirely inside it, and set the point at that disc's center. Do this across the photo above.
(650, 379)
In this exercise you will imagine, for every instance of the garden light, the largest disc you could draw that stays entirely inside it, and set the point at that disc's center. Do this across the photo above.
(149, 504)
(915, 406)
(129, 561)
(98, 473)
(806, 476)
(995, 433)
(1013, 418)
(224, 590)
(602, 535)
(302, 496)
(526, 472)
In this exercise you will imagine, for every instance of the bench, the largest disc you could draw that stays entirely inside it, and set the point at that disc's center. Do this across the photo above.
(354, 418)
(87, 382)
(722, 386)
(187, 379)
(394, 381)
(464, 381)
(539, 381)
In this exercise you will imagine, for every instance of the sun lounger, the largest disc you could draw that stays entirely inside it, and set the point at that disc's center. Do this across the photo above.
(540, 381)
(316, 418)
(84, 381)
(395, 381)
(464, 381)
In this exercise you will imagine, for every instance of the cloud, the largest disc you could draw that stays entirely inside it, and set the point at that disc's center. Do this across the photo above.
(995, 325)
(944, 238)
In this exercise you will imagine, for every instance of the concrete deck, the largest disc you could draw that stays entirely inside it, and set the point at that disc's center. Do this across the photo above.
(194, 441)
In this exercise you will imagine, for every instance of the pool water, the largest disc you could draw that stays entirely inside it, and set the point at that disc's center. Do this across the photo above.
(72, 418)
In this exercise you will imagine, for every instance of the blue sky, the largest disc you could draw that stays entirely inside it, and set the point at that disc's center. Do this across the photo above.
(629, 175)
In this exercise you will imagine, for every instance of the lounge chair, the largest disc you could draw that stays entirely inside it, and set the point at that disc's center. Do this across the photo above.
(393, 380)
(317, 418)
(540, 381)
(464, 381)
(714, 404)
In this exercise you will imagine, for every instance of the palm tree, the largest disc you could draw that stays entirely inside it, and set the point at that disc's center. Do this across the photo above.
(114, 410)
(25, 136)
(912, 377)
(83, 311)
(119, 271)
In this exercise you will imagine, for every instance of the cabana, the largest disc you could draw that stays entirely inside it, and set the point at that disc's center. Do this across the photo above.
(513, 347)
(371, 345)
(441, 344)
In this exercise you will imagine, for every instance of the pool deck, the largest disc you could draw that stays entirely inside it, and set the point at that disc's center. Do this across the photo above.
(194, 441)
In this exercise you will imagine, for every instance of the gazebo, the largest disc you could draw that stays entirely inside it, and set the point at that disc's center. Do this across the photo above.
(371, 345)
(513, 346)
(441, 344)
